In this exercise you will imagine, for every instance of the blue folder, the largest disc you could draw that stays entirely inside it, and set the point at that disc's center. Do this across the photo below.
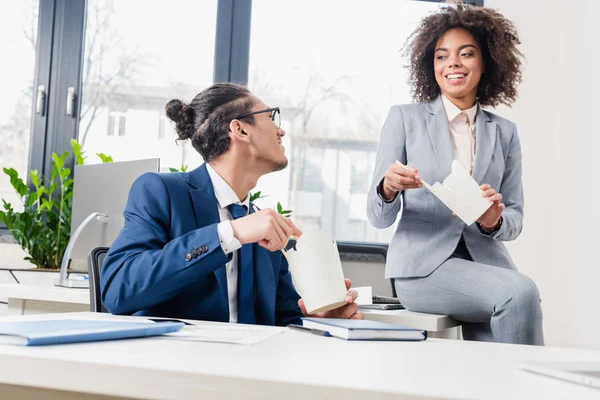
(36, 333)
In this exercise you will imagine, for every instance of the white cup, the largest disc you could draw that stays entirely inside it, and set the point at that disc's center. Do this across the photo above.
(316, 271)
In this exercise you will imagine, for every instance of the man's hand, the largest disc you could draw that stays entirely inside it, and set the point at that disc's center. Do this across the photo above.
(265, 227)
(399, 177)
(347, 311)
(491, 217)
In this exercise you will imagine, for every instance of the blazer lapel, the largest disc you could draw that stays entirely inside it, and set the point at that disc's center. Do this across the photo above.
(206, 210)
(485, 142)
(439, 133)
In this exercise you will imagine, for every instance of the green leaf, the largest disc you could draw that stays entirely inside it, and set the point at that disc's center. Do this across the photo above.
(64, 173)
(184, 168)
(30, 200)
(254, 196)
(105, 158)
(79, 159)
(16, 182)
(173, 170)
(279, 208)
(53, 173)
(47, 204)
(57, 161)
(35, 178)
(50, 190)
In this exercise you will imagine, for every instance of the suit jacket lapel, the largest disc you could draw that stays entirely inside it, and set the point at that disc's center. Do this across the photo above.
(485, 142)
(206, 210)
(439, 133)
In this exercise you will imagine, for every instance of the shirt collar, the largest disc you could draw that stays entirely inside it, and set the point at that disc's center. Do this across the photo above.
(223, 192)
(452, 111)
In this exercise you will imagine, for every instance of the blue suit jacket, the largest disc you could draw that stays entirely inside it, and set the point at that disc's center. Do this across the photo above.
(167, 260)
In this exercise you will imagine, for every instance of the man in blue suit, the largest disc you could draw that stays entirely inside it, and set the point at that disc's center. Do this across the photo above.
(193, 246)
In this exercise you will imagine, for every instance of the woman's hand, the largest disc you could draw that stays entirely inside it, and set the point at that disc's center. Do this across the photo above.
(489, 219)
(399, 177)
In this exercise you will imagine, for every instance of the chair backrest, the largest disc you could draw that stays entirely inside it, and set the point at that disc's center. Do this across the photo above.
(364, 264)
(95, 262)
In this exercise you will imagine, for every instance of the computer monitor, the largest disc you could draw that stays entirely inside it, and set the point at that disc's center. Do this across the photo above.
(101, 188)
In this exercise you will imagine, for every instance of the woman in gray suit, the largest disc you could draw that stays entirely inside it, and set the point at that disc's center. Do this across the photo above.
(462, 58)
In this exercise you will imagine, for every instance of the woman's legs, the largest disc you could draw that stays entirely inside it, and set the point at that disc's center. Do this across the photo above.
(495, 304)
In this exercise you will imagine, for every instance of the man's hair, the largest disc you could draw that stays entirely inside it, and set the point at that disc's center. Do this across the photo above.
(497, 37)
(205, 120)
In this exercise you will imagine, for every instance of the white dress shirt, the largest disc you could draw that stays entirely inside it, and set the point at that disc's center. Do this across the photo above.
(226, 196)
(462, 133)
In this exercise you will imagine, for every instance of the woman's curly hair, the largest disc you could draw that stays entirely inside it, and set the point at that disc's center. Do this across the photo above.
(495, 34)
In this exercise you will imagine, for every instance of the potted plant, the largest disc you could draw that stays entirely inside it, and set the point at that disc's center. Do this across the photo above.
(43, 228)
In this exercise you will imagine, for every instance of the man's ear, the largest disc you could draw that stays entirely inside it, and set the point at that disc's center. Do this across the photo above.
(237, 131)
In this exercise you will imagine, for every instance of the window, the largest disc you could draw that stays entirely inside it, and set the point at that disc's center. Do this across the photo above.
(163, 127)
(308, 223)
(139, 68)
(334, 92)
(357, 229)
(309, 169)
(361, 166)
(117, 123)
(18, 36)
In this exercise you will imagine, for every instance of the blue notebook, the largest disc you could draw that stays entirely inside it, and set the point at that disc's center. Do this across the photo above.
(354, 329)
(35, 333)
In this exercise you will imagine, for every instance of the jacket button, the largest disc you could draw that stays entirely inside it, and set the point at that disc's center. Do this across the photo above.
(204, 249)
(188, 257)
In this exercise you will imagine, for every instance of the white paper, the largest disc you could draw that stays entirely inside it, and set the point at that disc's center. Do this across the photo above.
(225, 333)
(461, 194)
(317, 272)
(365, 294)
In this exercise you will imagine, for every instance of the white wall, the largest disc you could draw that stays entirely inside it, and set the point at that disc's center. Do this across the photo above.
(557, 115)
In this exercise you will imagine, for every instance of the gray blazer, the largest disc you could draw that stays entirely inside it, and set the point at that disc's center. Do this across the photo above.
(428, 233)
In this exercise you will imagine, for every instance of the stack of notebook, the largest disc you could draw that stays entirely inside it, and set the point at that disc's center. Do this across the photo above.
(353, 329)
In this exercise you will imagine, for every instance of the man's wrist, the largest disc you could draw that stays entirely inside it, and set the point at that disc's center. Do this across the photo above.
(229, 242)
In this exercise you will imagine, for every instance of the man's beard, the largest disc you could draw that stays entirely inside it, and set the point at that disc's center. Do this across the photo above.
(279, 165)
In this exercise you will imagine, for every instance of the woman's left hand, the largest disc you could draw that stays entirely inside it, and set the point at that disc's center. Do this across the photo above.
(490, 218)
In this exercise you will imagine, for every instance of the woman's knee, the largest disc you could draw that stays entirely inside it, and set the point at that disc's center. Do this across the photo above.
(525, 292)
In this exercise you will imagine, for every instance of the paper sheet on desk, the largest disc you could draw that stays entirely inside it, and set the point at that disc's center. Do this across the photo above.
(365, 294)
(461, 194)
(226, 333)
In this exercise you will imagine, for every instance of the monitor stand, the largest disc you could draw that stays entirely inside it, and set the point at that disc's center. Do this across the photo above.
(62, 281)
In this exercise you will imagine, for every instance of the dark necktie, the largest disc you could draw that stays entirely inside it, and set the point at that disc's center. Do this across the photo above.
(245, 295)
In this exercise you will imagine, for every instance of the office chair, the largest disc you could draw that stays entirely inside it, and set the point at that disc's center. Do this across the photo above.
(95, 262)
(361, 251)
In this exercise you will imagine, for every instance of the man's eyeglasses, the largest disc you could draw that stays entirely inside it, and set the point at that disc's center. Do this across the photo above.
(275, 115)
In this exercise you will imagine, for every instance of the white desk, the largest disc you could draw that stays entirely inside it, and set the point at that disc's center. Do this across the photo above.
(30, 299)
(292, 365)
(437, 326)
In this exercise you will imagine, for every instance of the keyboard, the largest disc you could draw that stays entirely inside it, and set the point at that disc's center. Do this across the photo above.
(385, 300)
